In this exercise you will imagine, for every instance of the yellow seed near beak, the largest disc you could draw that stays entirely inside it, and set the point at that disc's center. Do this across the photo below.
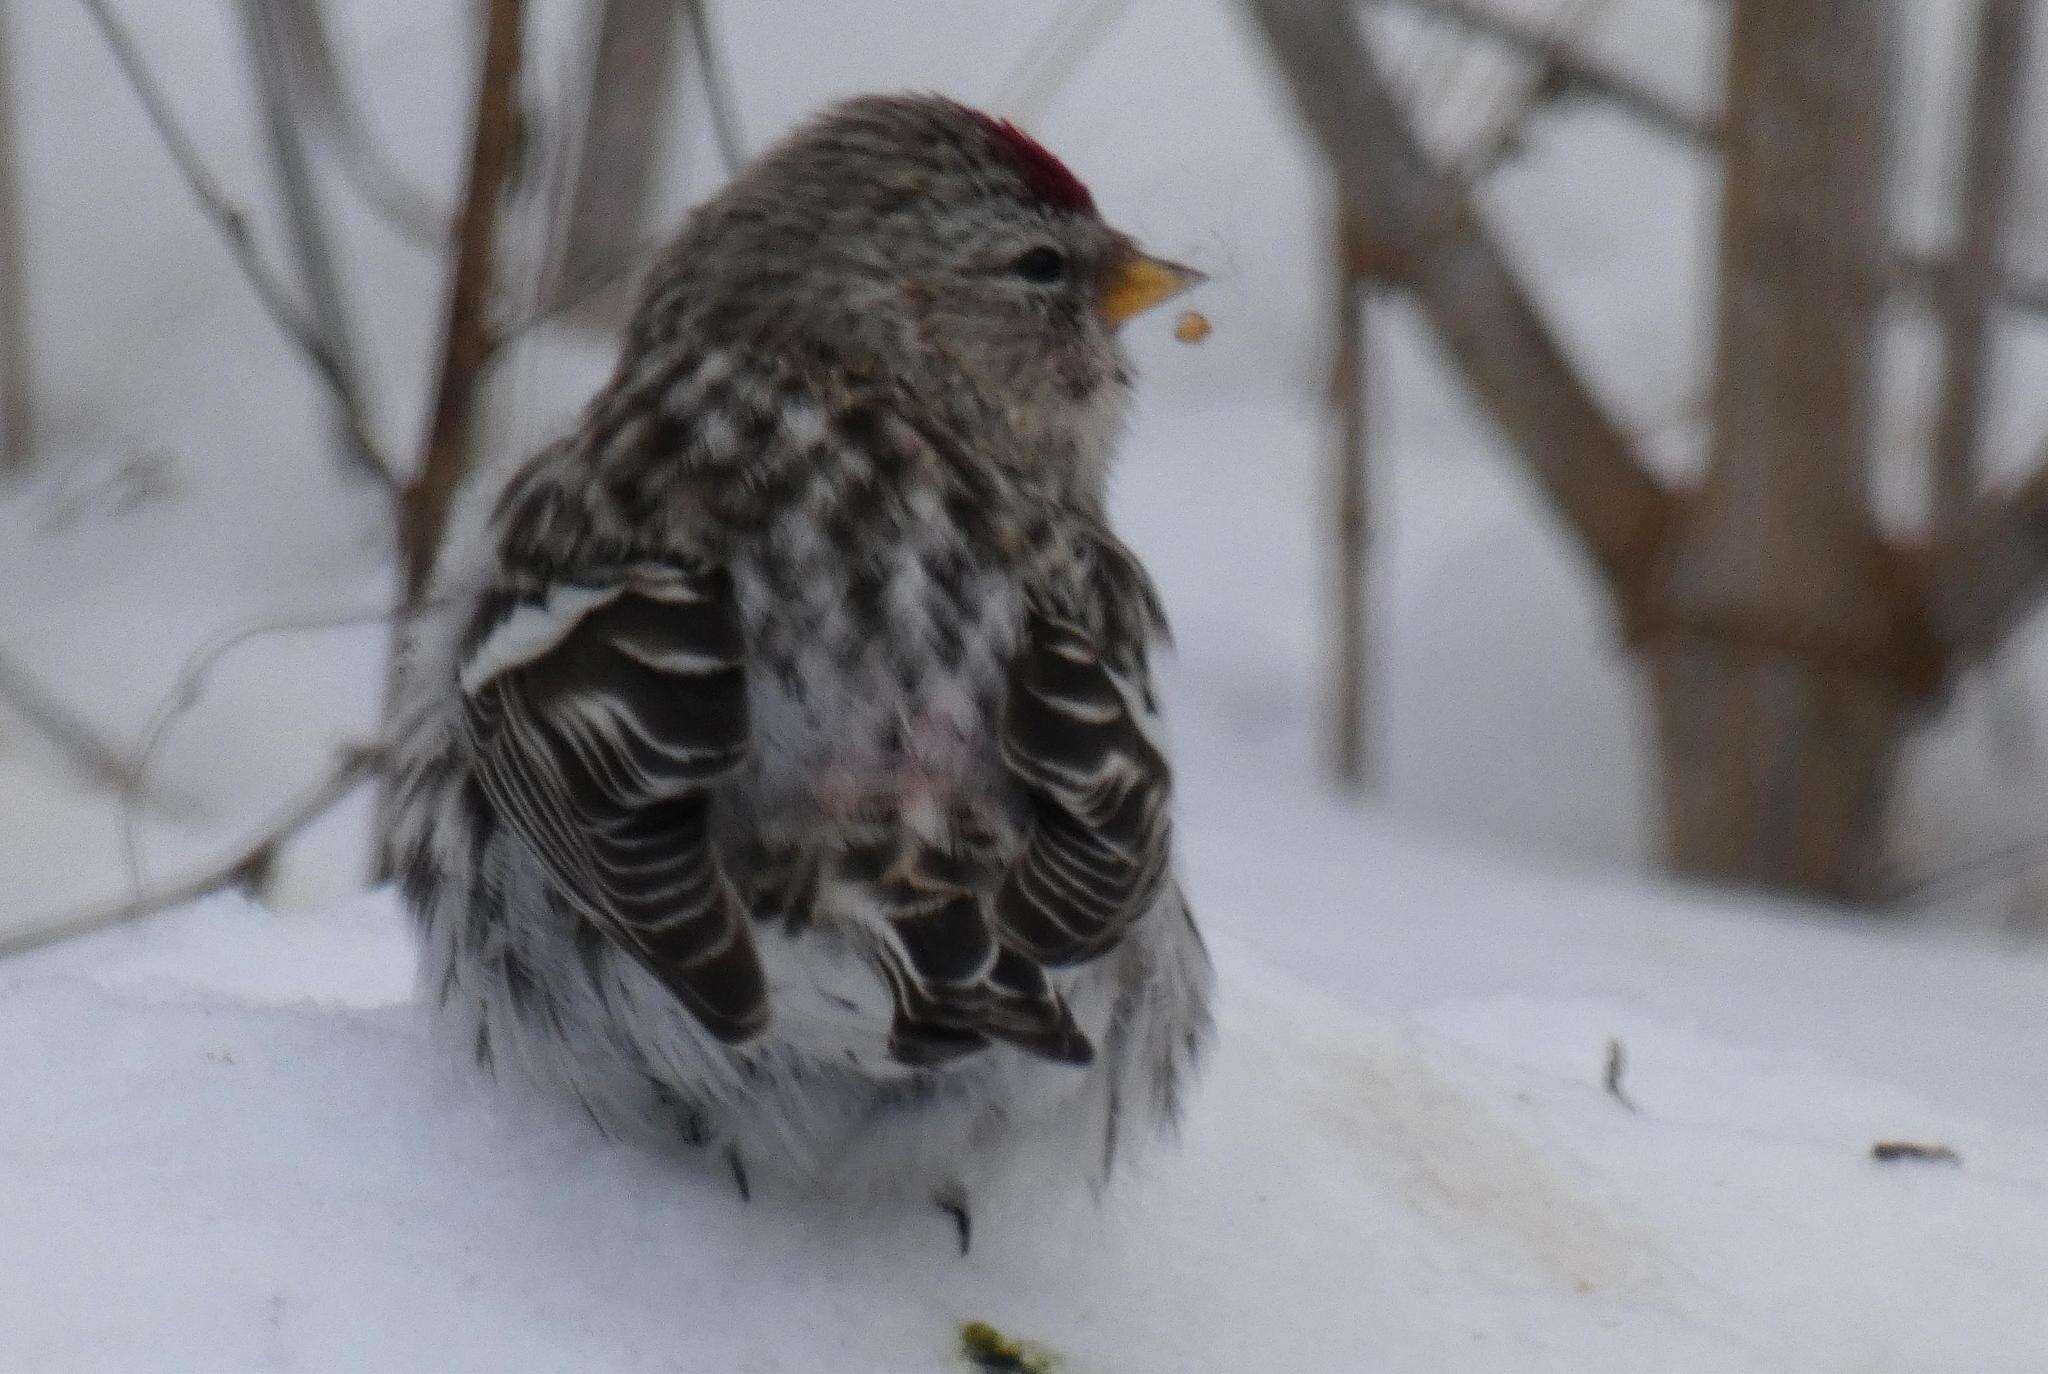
(1138, 283)
(1191, 327)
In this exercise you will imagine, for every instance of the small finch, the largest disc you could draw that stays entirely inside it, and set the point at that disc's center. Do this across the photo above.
(779, 774)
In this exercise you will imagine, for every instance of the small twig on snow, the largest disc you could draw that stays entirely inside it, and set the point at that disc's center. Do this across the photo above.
(1617, 1065)
(1897, 1151)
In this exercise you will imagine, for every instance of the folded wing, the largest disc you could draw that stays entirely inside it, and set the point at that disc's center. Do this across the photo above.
(602, 717)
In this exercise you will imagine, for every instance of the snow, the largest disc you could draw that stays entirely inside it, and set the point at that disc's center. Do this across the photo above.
(232, 1145)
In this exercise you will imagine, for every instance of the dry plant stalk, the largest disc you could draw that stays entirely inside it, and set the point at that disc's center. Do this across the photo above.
(17, 400)
(466, 331)
(1350, 516)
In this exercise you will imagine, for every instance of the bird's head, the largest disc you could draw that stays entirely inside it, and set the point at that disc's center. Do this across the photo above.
(935, 244)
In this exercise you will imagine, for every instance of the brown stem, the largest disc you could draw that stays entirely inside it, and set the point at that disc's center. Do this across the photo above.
(1349, 518)
(465, 334)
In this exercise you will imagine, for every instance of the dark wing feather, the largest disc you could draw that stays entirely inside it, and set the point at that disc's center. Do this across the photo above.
(1098, 791)
(601, 751)
(954, 986)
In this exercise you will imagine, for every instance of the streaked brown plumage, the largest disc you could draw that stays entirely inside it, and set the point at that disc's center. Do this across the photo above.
(783, 778)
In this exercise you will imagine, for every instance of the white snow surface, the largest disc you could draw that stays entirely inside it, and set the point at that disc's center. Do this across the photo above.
(230, 1143)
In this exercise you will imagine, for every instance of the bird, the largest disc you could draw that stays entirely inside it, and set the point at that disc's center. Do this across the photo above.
(777, 770)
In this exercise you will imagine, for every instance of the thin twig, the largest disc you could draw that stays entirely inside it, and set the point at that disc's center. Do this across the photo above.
(465, 335)
(1055, 53)
(1514, 109)
(572, 296)
(718, 96)
(1964, 312)
(1426, 235)
(1570, 70)
(636, 50)
(243, 868)
(17, 395)
(322, 98)
(91, 755)
(1970, 286)
(1894, 1151)
(275, 298)
(191, 679)
(263, 23)
(1967, 875)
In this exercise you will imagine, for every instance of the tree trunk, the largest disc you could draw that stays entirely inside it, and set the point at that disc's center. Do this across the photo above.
(1785, 660)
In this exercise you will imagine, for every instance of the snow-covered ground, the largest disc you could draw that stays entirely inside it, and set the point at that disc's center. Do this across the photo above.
(229, 1146)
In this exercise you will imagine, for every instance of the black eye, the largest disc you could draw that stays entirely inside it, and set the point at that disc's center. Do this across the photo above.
(1043, 266)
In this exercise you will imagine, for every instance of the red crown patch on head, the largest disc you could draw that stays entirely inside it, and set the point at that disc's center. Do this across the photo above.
(1048, 177)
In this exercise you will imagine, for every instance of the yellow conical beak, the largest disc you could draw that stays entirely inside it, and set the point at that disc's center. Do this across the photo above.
(1139, 282)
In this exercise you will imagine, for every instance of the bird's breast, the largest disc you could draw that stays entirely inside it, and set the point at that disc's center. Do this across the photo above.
(876, 676)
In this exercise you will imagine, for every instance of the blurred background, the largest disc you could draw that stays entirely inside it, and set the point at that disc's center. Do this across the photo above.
(1602, 526)
(197, 534)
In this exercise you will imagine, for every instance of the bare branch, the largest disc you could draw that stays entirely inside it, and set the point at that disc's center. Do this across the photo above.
(465, 335)
(1987, 569)
(1421, 232)
(244, 868)
(91, 755)
(17, 398)
(263, 23)
(1964, 306)
(1572, 72)
(1519, 103)
(1567, 69)
(233, 225)
(1928, 274)
(1075, 30)
(321, 98)
(635, 51)
(570, 297)
(191, 680)
(1968, 289)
